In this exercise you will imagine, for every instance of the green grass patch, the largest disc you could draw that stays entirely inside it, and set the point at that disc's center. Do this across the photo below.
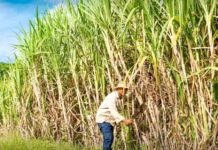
(19, 143)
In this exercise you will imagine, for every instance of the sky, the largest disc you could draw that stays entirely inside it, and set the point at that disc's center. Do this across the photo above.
(15, 14)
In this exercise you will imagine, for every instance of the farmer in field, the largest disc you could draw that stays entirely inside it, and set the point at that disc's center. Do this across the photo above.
(107, 115)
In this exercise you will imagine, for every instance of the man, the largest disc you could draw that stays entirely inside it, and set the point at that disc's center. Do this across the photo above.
(107, 115)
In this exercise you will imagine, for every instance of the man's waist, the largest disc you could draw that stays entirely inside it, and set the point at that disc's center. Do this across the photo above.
(105, 119)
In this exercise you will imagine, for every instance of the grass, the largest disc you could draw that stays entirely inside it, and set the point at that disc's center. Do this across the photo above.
(14, 142)
(19, 143)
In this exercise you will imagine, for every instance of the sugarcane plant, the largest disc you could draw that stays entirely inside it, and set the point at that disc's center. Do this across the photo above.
(70, 58)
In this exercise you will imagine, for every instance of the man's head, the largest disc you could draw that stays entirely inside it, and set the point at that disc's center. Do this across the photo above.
(121, 89)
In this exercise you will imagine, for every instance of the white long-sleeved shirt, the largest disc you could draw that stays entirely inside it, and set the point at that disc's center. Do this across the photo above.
(108, 111)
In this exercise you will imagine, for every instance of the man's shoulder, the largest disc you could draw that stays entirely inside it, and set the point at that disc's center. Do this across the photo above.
(111, 95)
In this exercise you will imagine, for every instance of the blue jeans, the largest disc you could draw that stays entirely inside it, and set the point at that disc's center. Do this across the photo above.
(107, 131)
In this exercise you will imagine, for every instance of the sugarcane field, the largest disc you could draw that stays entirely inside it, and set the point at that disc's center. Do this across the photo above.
(111, 74)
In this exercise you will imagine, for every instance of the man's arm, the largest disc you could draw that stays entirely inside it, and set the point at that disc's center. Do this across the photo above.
(118, 118)
(113, 109)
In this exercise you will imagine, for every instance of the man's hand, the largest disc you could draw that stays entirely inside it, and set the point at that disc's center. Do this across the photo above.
(128, 122)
